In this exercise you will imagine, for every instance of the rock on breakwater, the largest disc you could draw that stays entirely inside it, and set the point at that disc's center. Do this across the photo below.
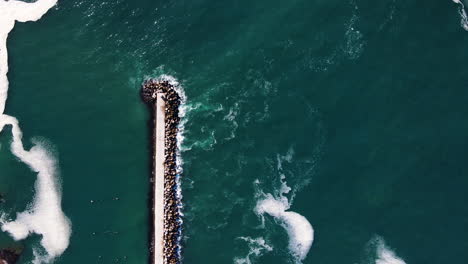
(153, 91)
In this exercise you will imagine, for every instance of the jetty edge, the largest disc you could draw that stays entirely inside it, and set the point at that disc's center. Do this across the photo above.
(165, 220)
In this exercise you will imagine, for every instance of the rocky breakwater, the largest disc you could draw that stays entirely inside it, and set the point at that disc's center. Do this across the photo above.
(172, 221)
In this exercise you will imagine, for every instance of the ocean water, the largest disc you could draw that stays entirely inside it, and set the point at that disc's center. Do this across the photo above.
(314, 131)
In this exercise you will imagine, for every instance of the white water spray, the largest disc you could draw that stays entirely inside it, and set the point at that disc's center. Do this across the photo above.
(385, 255)
(277, 205)
(44, 216)
(300, 231)
(257, 247)
(463, 15)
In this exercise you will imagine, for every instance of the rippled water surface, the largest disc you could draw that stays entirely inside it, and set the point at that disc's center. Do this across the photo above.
(315, 131)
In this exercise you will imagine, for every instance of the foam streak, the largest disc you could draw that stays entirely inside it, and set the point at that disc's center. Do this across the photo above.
(300, 231)
(385, 255)
(257, 247)
(45, 216)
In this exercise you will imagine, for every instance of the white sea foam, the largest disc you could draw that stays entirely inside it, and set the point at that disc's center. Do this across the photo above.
(462, 13)
(257, 247)
(45, 215)
(231, 117)
(385, 255)
(300, 231)
(11, 11)
(277, 205)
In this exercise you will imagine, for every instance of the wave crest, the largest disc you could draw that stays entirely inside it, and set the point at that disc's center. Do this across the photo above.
(300, 231)
(462, 13)
(385, 255)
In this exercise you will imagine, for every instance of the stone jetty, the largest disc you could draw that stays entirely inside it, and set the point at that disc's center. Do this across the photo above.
(165, 233)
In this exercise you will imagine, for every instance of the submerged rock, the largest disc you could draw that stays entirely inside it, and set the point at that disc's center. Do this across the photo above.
(9, 256)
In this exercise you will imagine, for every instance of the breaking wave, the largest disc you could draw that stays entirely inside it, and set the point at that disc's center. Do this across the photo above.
(380, 253)
(463, 15)
(300, 231)
(385, 255)
(44, 215)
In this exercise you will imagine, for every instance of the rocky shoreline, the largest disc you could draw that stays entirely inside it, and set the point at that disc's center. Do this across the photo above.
(172, 222)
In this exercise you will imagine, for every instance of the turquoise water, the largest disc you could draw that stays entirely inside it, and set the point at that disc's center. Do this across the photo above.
(357, 108)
